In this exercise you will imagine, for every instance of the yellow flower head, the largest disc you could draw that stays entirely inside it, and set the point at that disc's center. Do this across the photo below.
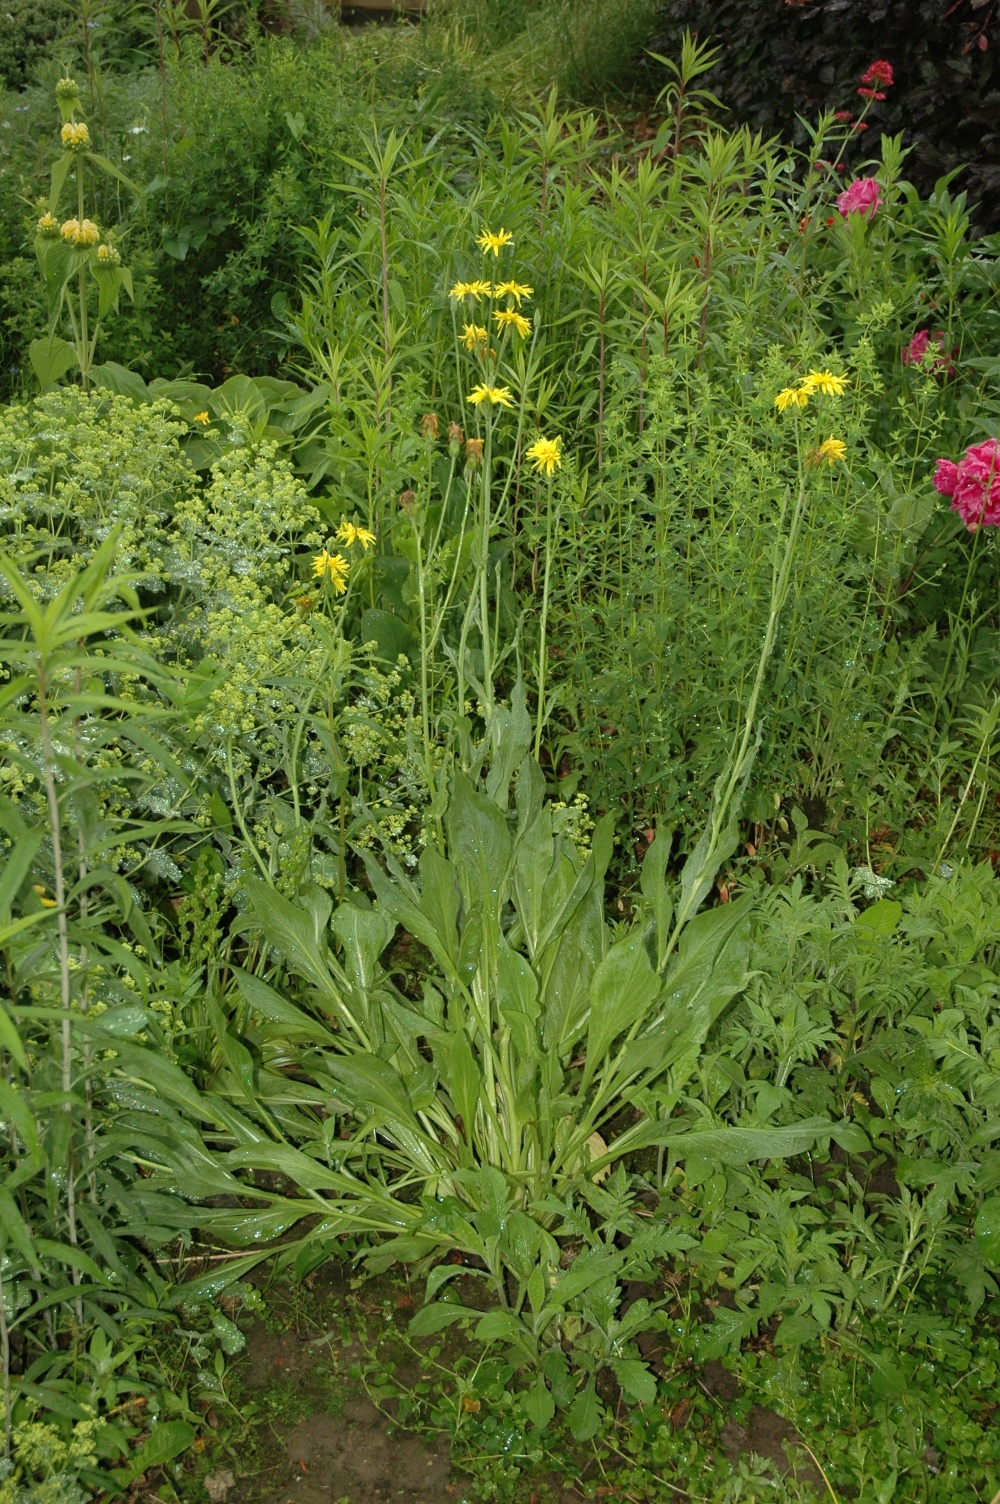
(335, 566)
(824, 382)
(80, 232)
(48, 226)
(47, 903)
(495, 242)
(202, 418)
(831, 450)
(497, 396)
(515, 290)
(108, 255)
(476, 289)
(507, 319)
(75, 136)
(546, 455)
(792, 396)
(349, 533)
(474, 337)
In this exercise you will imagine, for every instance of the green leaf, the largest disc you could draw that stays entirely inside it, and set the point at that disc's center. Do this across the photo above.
(50, 359)
(987, 1230)
(584, 1415)
(881, 917)
(431, 1319)
(621, 992)
(163, 1444)
(60, 171)
(111, 169)
(499, 1326)
(539, 1406)
(635, 1379)
(479, 845)
(298, 935)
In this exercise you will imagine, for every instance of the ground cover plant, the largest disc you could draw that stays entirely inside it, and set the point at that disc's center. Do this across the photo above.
(499, 606)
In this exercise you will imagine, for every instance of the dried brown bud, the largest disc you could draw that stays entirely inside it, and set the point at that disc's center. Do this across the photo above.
(408, 500)
(473, 452)
(304, 603)
(456, 437)
(429, 425)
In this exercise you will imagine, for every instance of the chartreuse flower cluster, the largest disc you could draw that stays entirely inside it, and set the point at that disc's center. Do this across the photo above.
(798, 397)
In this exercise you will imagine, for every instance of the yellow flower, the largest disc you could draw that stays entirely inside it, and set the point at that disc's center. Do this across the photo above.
(507, 319)
(792, 396)
(515, 290)
(334, 565)
(547, 455)
(476, 289)
(349, 533)
(497, 396)
(824, 382)
(495, 242)
(474, 337)
(48, 226)
(80, 232)
(108, 255)
(202, 418)
(47, 903)
(831, 450)
(75, 137)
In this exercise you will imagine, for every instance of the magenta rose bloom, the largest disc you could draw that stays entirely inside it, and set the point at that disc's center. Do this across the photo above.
(863, 196)
(973, 485)
(946, 477)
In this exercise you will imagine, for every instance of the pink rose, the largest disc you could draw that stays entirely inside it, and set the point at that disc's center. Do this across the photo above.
(973, 484)
(946, 477)
(863, 196)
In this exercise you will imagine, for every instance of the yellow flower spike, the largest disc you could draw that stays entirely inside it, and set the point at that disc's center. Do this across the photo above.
(474, 337)
(792, 396)
(831, 450)
(824, 382)
(494, 241)
(497, 396)
(335, 566)
(507, 319)
(515, 290)
(350, 533)
(546, 455)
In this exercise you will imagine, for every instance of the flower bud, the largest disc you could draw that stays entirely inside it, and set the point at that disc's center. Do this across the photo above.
(429, 425)
(473, 453)
(67, 88)
(48, 226)
(456, 438)
(408, 500)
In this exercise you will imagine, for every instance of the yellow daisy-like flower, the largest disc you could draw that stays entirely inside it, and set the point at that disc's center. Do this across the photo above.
(546, 454)
(507, 319)
(792, 396)
(202, 418)
(75, 137)
(831, 450)
(497, 396)
(515, 290)
(824, 382)
(494, 241)
(476, 289)
(335, 566)
(350, 533)
(474, 337)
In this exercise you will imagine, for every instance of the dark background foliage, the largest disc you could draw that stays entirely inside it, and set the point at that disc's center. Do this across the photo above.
(787, 57)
